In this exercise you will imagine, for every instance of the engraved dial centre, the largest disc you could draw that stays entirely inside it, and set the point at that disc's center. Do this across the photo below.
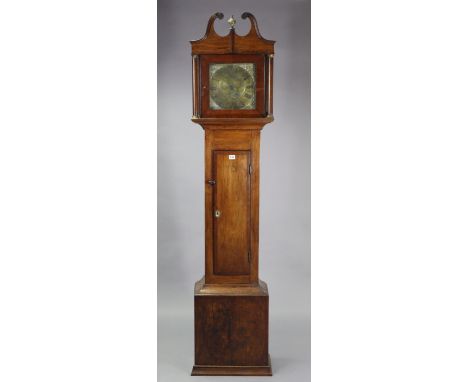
(232, 86)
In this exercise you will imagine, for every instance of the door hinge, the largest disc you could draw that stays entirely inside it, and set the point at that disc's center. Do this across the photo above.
(250, 169)
(249, 257)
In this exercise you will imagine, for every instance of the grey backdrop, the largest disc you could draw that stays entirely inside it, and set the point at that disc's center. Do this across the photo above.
(284, 187)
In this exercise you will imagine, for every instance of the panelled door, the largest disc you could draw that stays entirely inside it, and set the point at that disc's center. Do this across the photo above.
(231, 212)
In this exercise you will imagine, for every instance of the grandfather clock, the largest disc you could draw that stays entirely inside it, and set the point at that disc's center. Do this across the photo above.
(232, 101)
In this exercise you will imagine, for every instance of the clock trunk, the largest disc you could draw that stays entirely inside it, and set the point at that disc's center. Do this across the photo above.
(231, 205)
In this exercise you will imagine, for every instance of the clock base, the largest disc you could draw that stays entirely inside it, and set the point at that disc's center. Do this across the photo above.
(231, 330)
(234, 370)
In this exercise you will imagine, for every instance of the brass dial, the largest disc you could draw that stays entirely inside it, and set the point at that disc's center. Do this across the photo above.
(232, 86)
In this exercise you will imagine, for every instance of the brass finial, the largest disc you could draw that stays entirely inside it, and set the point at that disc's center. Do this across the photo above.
(232, 21)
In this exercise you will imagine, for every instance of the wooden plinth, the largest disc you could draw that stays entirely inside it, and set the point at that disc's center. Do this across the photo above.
(258, 371)
(231, 330)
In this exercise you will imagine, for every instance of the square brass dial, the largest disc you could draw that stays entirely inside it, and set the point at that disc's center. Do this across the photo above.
(232, 86)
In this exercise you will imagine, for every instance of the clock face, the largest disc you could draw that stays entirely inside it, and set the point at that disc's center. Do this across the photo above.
(232, 86)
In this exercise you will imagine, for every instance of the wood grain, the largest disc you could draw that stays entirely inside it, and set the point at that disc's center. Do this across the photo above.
(231, 302)
(202, 289)
(231, 330)
(233, 254)
(231, 199)
(232, 123)
(252, 42)
(258, 371)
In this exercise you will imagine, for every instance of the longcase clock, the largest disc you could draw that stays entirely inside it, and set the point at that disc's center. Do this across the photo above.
(232, 101)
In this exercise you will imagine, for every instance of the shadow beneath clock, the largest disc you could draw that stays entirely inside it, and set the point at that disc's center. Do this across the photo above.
(279, 364)
(293, 369)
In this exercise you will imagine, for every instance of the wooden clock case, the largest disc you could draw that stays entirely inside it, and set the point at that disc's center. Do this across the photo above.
(231, 303)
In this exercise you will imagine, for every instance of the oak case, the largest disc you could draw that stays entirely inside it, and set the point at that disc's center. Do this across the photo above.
(231, 303)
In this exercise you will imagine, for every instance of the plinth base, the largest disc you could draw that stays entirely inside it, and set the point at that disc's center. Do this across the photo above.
(231, 330)
(234, 370)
